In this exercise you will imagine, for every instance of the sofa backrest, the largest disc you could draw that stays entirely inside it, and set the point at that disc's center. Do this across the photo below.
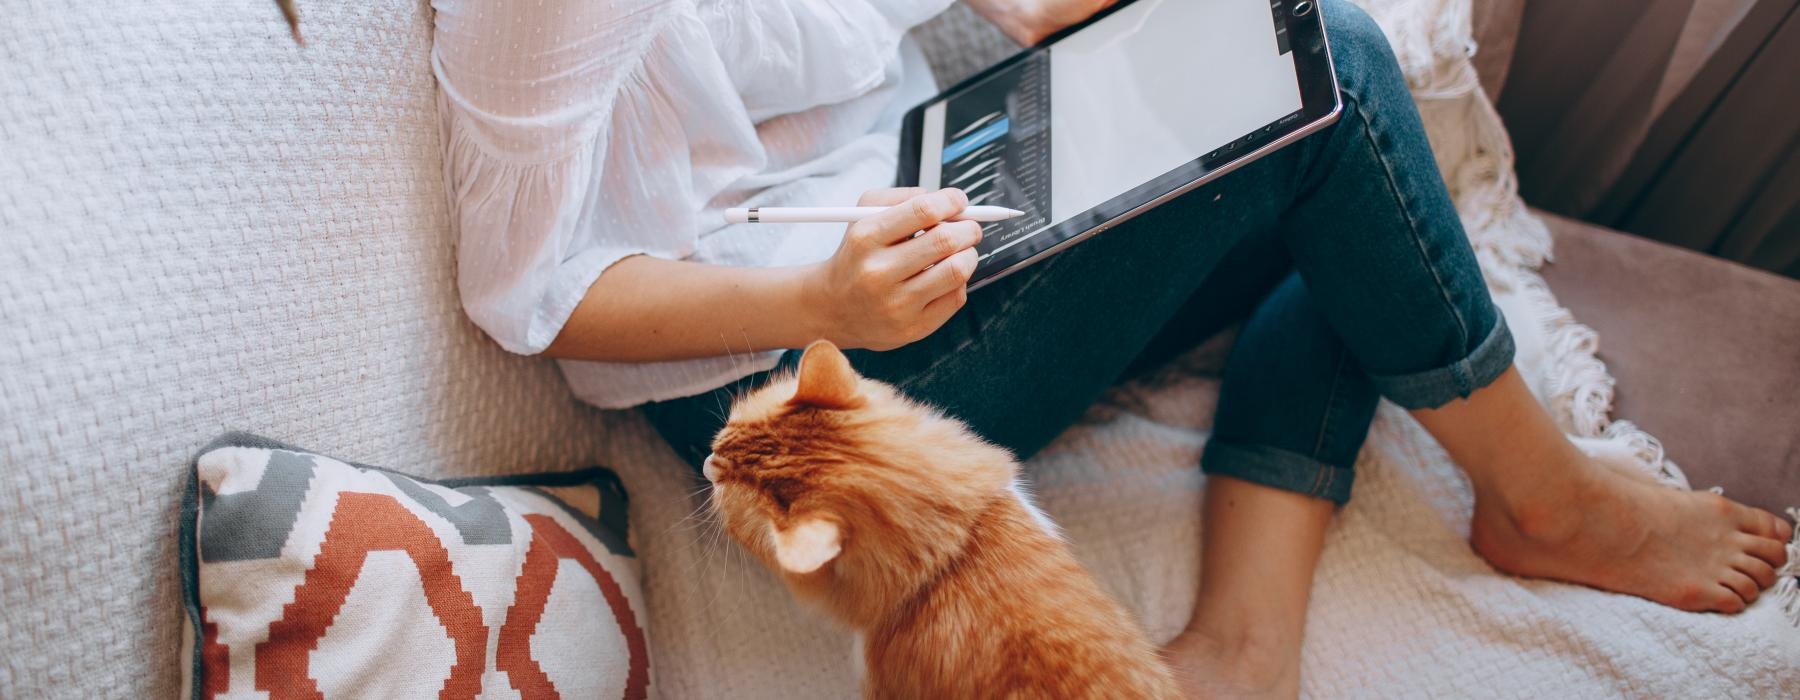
(205, 227)
(1672, 121)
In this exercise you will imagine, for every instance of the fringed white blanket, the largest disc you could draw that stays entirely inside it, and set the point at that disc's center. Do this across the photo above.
(1401, 605)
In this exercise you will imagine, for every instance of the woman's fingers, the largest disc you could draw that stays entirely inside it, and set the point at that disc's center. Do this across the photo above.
(945, 278)
(942, 308)
(888, 197)
(935, 245)
(901, 221)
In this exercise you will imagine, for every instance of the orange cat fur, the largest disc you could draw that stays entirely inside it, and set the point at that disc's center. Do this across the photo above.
(903, 524)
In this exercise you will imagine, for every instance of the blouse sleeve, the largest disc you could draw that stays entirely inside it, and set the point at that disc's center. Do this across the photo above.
(582, 132)
(577, 134)
(786, 56)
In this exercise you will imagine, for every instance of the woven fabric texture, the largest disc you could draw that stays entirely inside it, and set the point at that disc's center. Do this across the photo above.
(204, 227)
(307, 575)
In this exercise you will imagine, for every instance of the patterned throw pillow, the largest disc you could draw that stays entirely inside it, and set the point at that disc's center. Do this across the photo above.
(307, 577)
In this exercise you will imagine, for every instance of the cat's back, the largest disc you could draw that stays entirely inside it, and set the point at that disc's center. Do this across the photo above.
(1017, 617)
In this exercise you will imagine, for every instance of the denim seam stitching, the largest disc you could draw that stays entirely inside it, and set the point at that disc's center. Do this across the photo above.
(1393, 188)
(1331, 400)
(1322, 482)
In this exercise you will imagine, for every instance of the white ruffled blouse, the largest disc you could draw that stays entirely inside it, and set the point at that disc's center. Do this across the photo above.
(580, 132)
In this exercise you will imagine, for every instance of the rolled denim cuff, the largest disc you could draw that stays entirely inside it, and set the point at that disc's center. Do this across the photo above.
(1435, 387)
(1279, 469)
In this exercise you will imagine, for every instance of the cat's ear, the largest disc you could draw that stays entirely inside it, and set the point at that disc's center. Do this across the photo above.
(826, 379)
(807, 545)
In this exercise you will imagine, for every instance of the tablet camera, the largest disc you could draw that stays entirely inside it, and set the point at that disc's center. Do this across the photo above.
(1302, 8)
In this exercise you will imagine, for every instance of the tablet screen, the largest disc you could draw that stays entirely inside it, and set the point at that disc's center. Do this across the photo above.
(1117, 108)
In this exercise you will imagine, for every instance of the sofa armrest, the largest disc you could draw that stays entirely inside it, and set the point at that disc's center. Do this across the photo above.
(1707, 354)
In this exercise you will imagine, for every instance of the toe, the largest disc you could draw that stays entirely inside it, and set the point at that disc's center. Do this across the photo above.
(1757, 521)
(1696, 597)
(1741, 584)
(1772, 551)
(1757, 569)
(1723, 598)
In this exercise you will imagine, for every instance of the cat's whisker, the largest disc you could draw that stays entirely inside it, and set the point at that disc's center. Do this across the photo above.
(702, 527)
(699, 517)
(700, 510)
(728, 352)
(705, 524)
(718, 551)
(700, 549)
(734, 558)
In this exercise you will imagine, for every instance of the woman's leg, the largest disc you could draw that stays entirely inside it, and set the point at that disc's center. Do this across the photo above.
(1380, 247)
(1293, 414)
(1374, 231)
(1261, 545)
(1545, 509)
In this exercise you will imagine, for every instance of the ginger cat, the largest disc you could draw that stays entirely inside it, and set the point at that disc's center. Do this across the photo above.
(903, 524)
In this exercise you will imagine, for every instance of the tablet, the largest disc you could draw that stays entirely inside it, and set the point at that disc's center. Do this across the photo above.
(1101, 122)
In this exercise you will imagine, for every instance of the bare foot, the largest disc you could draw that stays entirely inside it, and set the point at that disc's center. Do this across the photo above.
(1208, 668)
(1601, 526)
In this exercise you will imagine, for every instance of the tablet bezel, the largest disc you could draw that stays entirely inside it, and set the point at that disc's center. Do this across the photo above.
(1320, 107)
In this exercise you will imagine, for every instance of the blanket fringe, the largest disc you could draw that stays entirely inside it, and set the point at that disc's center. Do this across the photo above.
(1579, 389)
(1787, 586)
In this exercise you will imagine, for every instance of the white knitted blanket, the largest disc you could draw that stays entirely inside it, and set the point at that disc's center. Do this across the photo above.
(1401, 605)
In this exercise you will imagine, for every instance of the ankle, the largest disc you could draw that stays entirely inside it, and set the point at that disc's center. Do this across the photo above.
(1258, 652)
(1507, 536)
(1542, 505)
(1525, 470)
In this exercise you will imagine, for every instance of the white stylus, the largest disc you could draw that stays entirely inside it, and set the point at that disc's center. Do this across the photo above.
(806, 215)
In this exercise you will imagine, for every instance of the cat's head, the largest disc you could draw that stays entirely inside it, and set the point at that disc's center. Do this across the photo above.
(855, 494)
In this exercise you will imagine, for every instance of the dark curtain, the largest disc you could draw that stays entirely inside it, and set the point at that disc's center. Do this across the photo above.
(1678, 120)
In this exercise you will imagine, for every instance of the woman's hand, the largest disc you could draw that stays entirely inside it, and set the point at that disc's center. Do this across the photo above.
(884, 288)
(898, 275)
(1030, 21)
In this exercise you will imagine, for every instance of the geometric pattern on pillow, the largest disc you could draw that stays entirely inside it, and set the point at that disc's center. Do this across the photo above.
(310, 577)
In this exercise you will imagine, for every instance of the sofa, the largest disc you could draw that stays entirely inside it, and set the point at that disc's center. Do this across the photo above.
(205, 227)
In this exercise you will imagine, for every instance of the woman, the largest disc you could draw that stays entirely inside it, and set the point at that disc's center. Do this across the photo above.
(592, 147)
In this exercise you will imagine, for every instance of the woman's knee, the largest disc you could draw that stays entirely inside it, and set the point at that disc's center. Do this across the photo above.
(1360, 51)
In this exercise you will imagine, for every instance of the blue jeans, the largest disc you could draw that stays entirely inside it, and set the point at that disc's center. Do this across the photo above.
(1376, 292)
